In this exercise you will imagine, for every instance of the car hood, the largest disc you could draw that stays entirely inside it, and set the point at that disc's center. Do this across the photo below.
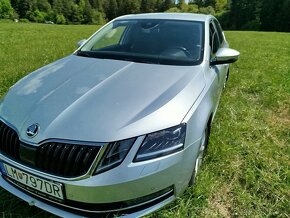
(87, 99)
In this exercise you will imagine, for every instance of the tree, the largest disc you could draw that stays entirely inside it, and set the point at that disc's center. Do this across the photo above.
(207, 10)
(192, 8)
(148, 6)
(131, 6)
(43, 5)
(62, 7)
(167, 4)
(60, 19)
(88, 13)
(207, 3)
(97, 4)
(285, 17)
(182, 5)
(199, 3)
(121, 6)
(245, 14)
(144, 6)
(266, 15)
(220, 5)
(37, 16)
(269, 15)
(22, 7)
(6, 10)
(271, 20)
(112, 9)
(99, 18)
(75, 15)
(174, 10)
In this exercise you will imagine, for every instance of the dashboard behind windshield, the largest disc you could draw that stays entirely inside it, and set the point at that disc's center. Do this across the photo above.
(172, 42)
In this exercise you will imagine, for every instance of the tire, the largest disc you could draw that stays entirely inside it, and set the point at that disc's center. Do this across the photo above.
(201, 153)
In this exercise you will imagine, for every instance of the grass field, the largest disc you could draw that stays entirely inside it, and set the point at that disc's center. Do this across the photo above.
(246, 172)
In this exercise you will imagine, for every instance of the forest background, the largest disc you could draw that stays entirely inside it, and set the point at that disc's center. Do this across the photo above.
(264, 15)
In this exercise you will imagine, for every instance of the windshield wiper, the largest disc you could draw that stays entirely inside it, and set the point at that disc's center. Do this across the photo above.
(115, 56)
(137, 60)
(85, 54)
(134, 58)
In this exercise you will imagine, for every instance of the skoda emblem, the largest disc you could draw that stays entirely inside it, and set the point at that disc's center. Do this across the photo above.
(32, 130)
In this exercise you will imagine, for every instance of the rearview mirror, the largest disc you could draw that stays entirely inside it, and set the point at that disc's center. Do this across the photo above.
(225, 56)
(81, 42)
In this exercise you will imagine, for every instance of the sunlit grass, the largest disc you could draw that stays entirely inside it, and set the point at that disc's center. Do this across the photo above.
(246, 172)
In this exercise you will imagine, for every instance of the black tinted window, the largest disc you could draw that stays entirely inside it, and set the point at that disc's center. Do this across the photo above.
(214, 40)
(149, 40)
(219, 31)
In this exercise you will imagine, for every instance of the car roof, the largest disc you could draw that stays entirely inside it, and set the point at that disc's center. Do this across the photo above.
(169, 16)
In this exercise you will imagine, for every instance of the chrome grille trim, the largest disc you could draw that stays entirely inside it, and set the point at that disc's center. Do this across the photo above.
(65, 160)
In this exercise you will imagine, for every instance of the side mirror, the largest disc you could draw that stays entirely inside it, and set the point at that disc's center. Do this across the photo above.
(225, 56)
(81, 42)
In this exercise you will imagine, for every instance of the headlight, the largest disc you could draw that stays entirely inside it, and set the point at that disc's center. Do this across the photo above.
(162, 143)
(114, 154)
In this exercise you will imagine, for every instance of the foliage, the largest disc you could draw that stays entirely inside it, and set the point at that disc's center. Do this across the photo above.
(111, 9)
(37, 16)
(266, 15)
(192, 8)
(60, 11)
(207, 10)
(220, 5)
(174, 10)
(246, 170)
(234, 14)
(60, 19)
(24, 20)
(275, 15)
(6, 10)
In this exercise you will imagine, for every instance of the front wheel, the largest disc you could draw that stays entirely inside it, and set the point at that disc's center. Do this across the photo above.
(200, 156)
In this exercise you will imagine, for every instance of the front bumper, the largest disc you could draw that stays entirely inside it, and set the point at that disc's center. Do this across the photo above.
(73, 212)
(131, 189)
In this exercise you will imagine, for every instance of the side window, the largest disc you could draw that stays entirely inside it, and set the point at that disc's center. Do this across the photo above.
(214, 40)
(219, 31)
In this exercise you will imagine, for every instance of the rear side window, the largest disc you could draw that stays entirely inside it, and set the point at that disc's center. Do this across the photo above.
(219, 31)
(214, 39)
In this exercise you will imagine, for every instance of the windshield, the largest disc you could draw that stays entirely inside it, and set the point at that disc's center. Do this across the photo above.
(171, 42)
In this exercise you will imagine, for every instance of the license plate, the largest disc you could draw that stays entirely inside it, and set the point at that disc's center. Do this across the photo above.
(33, 183)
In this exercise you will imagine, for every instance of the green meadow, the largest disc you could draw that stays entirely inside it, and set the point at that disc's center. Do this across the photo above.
(246, 172)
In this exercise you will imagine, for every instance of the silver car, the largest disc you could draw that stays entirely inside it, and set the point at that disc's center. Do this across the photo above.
(119, 127)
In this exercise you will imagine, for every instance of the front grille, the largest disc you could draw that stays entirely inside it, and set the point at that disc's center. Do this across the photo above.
(61, 159)
(9, 142)
(65, 159)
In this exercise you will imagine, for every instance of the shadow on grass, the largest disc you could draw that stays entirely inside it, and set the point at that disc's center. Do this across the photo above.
(16, 208)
